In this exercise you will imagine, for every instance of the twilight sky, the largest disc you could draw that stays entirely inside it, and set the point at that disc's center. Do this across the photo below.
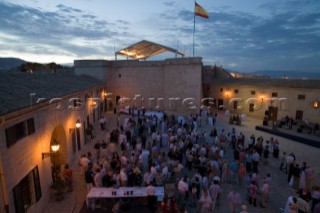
(241, 35)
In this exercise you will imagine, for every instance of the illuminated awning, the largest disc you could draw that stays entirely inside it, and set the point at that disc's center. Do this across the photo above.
(145, 49)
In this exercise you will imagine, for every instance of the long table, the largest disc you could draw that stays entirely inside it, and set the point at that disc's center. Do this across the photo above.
(121, 192)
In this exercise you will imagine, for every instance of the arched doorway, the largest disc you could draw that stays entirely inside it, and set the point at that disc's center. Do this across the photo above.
(61, 156)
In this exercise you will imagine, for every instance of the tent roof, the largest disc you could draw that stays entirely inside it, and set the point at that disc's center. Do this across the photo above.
(145, 49)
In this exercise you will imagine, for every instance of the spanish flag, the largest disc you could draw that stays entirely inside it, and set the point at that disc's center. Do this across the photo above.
(199, 11)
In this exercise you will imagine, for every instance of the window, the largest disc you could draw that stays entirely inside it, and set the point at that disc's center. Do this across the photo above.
(235, 105)
(253, 92)
(28, 191)
(251, 107)
(73, 139)
(274, 94)
(19, 131)
(236, 91)
(78, 138)
(221, 89)
(86, 97)
(301, 97)
(77, 102)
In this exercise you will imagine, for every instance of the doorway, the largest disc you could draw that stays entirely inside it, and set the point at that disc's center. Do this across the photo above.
(273, 113)
(299, 115)
(220, 104)
(117, 99)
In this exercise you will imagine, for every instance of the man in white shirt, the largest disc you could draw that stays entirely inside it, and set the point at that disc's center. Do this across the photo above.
(183, 188)
(84, 163)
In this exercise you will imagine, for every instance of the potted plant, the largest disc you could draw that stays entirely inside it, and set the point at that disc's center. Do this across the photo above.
(58, 189)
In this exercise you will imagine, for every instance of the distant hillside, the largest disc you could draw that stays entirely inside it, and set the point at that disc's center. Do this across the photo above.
(18, 64)
(10, 63)
(288, 74)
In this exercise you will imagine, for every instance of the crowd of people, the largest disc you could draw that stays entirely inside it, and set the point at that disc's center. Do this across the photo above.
(153, 150)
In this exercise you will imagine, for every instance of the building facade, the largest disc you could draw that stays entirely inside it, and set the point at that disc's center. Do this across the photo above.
(28, 129)
(264, 97)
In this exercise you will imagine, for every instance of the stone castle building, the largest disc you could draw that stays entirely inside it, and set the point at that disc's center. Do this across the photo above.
(41, 108)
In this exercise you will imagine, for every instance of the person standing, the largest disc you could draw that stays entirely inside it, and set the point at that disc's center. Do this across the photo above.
(97, 148)
(89, 179)
(84, 163)
(241, 173)
(214, 191)
(252, 189)
(98, 178)
(68, 177)
(183, 189)
(266, 153)
(264, 194)
(283, 162)
(255, 160)
(103, 146)
(248, 160)
(205, 202)
(224, 171)
(234, 200)
(102, 122)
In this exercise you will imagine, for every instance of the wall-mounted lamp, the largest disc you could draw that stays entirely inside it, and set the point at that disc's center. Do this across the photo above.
(227, 94)
(78, 123)
(261, 97)
(54, 147)
(315, 104)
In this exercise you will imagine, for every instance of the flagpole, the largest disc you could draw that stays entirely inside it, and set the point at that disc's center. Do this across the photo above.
(194, 26)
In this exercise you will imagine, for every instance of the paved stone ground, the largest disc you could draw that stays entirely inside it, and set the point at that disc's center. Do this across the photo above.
(279, 189)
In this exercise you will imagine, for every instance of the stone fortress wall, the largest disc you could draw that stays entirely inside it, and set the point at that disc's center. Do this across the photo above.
(172, 85)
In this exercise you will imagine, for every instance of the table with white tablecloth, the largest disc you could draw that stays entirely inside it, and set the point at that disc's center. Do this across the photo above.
(121, 192)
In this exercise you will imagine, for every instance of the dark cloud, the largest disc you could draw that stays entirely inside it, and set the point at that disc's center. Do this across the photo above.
(66, 9)
(58, 30)
(169, 3)
(287, 35)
